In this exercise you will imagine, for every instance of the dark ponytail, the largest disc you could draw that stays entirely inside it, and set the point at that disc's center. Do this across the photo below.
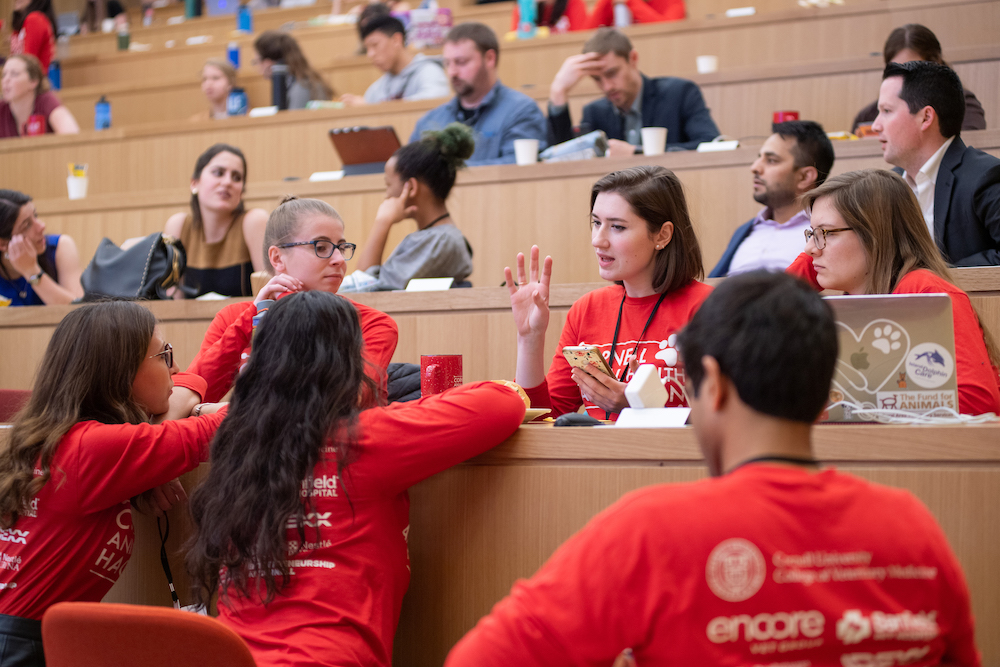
(436, 158)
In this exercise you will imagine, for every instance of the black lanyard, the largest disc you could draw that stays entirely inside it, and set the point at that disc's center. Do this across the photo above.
(796, 460)
(614, 342)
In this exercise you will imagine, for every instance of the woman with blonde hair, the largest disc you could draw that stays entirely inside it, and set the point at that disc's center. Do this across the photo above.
(868, 236)
(218, 78)
(27, 100)
(304, 83)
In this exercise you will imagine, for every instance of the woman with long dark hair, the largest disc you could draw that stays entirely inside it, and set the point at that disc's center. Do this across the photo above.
(35, 268)
(644, 241)
(301, 526)
(418, 179)
(33, 30)
(304, 83)
(868, 236)
(79, 450)
(221, 237)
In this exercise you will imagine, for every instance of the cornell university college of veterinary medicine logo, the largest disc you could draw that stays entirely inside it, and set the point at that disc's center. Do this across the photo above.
(735, 570)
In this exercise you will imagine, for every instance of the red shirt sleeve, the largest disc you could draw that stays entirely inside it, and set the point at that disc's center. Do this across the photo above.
(558, 391)
(405, 443)
(515, 16)
(111, 463)
(802, 268)
(668, 10)
(38, 38)
(576, 12)
(381, 335)
(221, 351)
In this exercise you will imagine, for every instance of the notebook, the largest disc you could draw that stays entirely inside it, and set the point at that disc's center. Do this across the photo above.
(364, 150)
(896, 352)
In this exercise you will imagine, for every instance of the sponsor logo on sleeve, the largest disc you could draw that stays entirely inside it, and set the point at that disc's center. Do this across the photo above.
(14, 536)
(854, 627)
(885, 658)
(324, 486)
(312, 520)
(735, 570)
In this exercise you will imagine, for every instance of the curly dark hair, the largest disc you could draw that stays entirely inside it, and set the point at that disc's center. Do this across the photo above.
(436, 158)
(283, 412)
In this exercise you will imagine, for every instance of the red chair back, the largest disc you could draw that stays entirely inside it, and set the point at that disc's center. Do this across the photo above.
(95, 634)
(11, 401)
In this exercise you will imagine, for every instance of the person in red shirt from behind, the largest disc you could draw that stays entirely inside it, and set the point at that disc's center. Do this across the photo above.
(302, 524)
(771, 560)
(868, 236)
(305, 248)
(76, 454)
(33, 30)
(644, 241)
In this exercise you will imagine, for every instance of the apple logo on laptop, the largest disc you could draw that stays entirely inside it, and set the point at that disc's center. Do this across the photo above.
(859, 359)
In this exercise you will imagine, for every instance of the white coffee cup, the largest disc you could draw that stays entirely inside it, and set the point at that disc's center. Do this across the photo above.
(526, 151)
(654, 140)
(76, 186)
(707, 64)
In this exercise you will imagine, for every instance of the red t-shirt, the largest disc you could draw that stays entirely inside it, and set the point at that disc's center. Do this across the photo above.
(765, 566)
(978, 379)
(643, 11)
(35, 38)
(45, 104)
(347, 584)
(76, 537)
(591, 321)
(574, 17)
(231, 329)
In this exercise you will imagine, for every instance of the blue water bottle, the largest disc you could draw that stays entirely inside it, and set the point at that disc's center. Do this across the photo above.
(526, 24)
(244, 21)
(233, 55)
(55, 75)
(102, 114)
(237, 103)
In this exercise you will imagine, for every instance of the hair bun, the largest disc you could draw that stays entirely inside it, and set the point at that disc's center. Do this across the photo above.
(455, 142)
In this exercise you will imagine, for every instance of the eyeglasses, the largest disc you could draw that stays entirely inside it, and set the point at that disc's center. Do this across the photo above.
(167, 354)
(324, 249)
(818, 236)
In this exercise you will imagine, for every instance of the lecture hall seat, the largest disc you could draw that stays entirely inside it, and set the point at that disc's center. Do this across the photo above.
(96, 634)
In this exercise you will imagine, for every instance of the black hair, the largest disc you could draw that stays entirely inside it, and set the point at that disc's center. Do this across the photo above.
(199, 166)
(917, 38)
(11, 202)
(928, 84)
(436, 158)
(772, 336)
(479, 34)
(385, 23)
(558, 9)
(371, 12)
(43, 6)
(283, 415)
(812, 147)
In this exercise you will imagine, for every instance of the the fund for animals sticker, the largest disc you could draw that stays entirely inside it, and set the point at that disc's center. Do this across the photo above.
(917, 400)
(929, 365)
(735, 570)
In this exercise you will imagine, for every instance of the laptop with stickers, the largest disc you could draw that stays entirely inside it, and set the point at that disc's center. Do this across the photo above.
(897, 353)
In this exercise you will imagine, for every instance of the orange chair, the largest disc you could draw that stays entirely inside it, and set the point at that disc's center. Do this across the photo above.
(95, 634)
(12, 400)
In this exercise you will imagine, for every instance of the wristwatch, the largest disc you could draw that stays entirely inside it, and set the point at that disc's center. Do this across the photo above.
(35, 279)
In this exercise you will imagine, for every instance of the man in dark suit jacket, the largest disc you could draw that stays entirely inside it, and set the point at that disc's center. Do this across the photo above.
(921, 108)
(631, 100)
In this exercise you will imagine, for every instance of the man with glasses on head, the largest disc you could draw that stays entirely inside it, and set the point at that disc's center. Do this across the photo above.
(773, 560)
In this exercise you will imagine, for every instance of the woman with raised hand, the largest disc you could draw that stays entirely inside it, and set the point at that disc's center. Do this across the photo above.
(28, 106)
(418, 179)
(221, 238)
(301, 527)
(306, 249)
(868, 236)
(79, 450)
(645, 244)
(304, 83)
(35, 268)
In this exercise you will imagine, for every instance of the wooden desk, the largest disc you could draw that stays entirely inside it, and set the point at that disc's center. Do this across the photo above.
(501, 209)
(478, 527)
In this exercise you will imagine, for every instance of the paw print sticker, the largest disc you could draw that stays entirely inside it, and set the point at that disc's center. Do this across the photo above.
(886, 339)
(668, 351)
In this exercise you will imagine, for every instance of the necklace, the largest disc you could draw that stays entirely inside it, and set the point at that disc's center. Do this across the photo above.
(437, 220)
(618, 324)
(796, 460)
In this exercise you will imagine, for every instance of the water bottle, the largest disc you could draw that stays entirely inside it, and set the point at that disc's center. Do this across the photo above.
(55, 75)
(623, 15)
(102, 114)
(244, 21)
(237, 103)
(262, 307)
(233, 54)
(279, 86)
(526, 26)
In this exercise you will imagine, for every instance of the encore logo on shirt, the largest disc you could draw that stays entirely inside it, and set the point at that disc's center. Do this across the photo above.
(765, 627)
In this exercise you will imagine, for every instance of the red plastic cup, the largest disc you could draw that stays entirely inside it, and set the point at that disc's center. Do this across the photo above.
(439, 372)
(782, 116)
(35, 125)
